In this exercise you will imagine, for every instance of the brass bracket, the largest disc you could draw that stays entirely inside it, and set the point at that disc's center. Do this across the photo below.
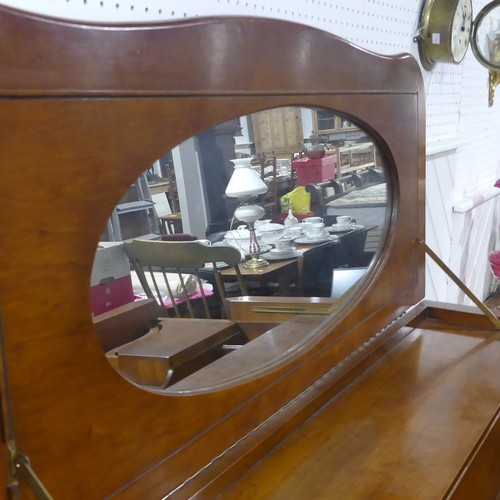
(487, 312)
(494, 80)
(22, 471)
(294, 310)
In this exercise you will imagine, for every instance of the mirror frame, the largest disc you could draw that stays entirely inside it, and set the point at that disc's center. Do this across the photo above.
(478, 53)
(85, 108)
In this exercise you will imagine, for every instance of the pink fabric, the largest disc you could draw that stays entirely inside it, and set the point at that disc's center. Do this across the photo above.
(495, 263)
(196, 295)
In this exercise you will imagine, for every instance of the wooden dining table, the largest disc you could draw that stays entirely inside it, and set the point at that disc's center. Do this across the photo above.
(284, 272)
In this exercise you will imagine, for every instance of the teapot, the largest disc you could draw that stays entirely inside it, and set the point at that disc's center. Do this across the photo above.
(317, 149)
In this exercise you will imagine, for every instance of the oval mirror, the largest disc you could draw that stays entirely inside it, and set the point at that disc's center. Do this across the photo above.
(176, 246)
(485, 37)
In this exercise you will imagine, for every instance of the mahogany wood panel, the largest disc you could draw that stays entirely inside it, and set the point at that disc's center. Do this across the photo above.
(83, 111)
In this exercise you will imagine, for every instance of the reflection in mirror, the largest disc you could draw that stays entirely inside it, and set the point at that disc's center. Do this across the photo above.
(173, 249)
(485, 43)
(487, 37)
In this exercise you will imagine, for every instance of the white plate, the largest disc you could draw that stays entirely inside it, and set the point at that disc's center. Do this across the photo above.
(308, 241)
(280, 256)
(335, 228)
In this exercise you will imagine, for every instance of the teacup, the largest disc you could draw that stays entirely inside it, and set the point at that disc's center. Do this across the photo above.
(284, 245)
(311, 220)
(344, 220)
(315, 231)
(292, 232)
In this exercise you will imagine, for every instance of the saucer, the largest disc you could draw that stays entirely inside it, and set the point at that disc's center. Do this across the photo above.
(310, 241)
(335, 228)
(275, 251)
(280, 255)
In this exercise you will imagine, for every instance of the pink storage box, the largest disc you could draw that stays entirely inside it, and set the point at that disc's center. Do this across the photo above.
(311, 170)
(113, 294)
(110, 283)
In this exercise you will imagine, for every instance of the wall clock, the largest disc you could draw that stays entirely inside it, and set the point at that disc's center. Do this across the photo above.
(444, 33)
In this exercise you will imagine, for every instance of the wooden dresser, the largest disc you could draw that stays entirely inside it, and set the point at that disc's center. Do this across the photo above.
(379, 396)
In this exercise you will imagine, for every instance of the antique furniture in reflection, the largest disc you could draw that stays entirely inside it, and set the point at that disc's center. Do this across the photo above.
(316, 265)
(171, 223)
(157, 359)
(283, 273)
(325, 193)
(310, 273)
(131, 95)
(268, 173)
(355, 158)
(277, 130)
(163, 266)
(361, 195)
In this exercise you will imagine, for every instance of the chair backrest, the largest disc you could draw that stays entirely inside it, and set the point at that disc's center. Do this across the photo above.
(172, 193)
(174, 273)
(268, 171)
(317, 264)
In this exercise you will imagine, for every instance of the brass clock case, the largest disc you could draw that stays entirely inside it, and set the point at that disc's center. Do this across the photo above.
(437, 22)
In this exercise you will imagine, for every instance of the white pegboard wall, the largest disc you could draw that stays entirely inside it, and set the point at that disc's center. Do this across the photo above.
(456, 95)
(346, 14)
(386, 27)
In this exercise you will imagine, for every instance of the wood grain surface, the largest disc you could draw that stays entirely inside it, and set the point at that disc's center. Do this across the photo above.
(401, 430)
(83, 111)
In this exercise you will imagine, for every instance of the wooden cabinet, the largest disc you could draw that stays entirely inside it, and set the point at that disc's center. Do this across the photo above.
(277, 130)
(327, 121)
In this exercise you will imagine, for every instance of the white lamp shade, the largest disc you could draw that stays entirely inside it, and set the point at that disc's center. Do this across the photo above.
(245, 181)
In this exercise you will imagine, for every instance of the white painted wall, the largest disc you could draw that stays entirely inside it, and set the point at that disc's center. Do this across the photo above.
(456, 96)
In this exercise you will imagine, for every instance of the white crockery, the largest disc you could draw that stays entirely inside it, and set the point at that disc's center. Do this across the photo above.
(311, 220)
(284, 245)
(271, 232)
(315, 230)
(344, 220)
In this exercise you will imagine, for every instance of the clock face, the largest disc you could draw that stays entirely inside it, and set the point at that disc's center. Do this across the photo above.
(461, 29)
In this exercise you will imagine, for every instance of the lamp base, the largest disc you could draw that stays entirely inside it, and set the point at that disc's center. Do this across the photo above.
(255, 262)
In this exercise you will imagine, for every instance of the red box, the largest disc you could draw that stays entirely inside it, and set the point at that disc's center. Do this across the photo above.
(310, 170)
(107, 296)
(110, 283)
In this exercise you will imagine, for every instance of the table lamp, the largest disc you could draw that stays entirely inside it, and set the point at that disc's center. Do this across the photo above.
(246, 184)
